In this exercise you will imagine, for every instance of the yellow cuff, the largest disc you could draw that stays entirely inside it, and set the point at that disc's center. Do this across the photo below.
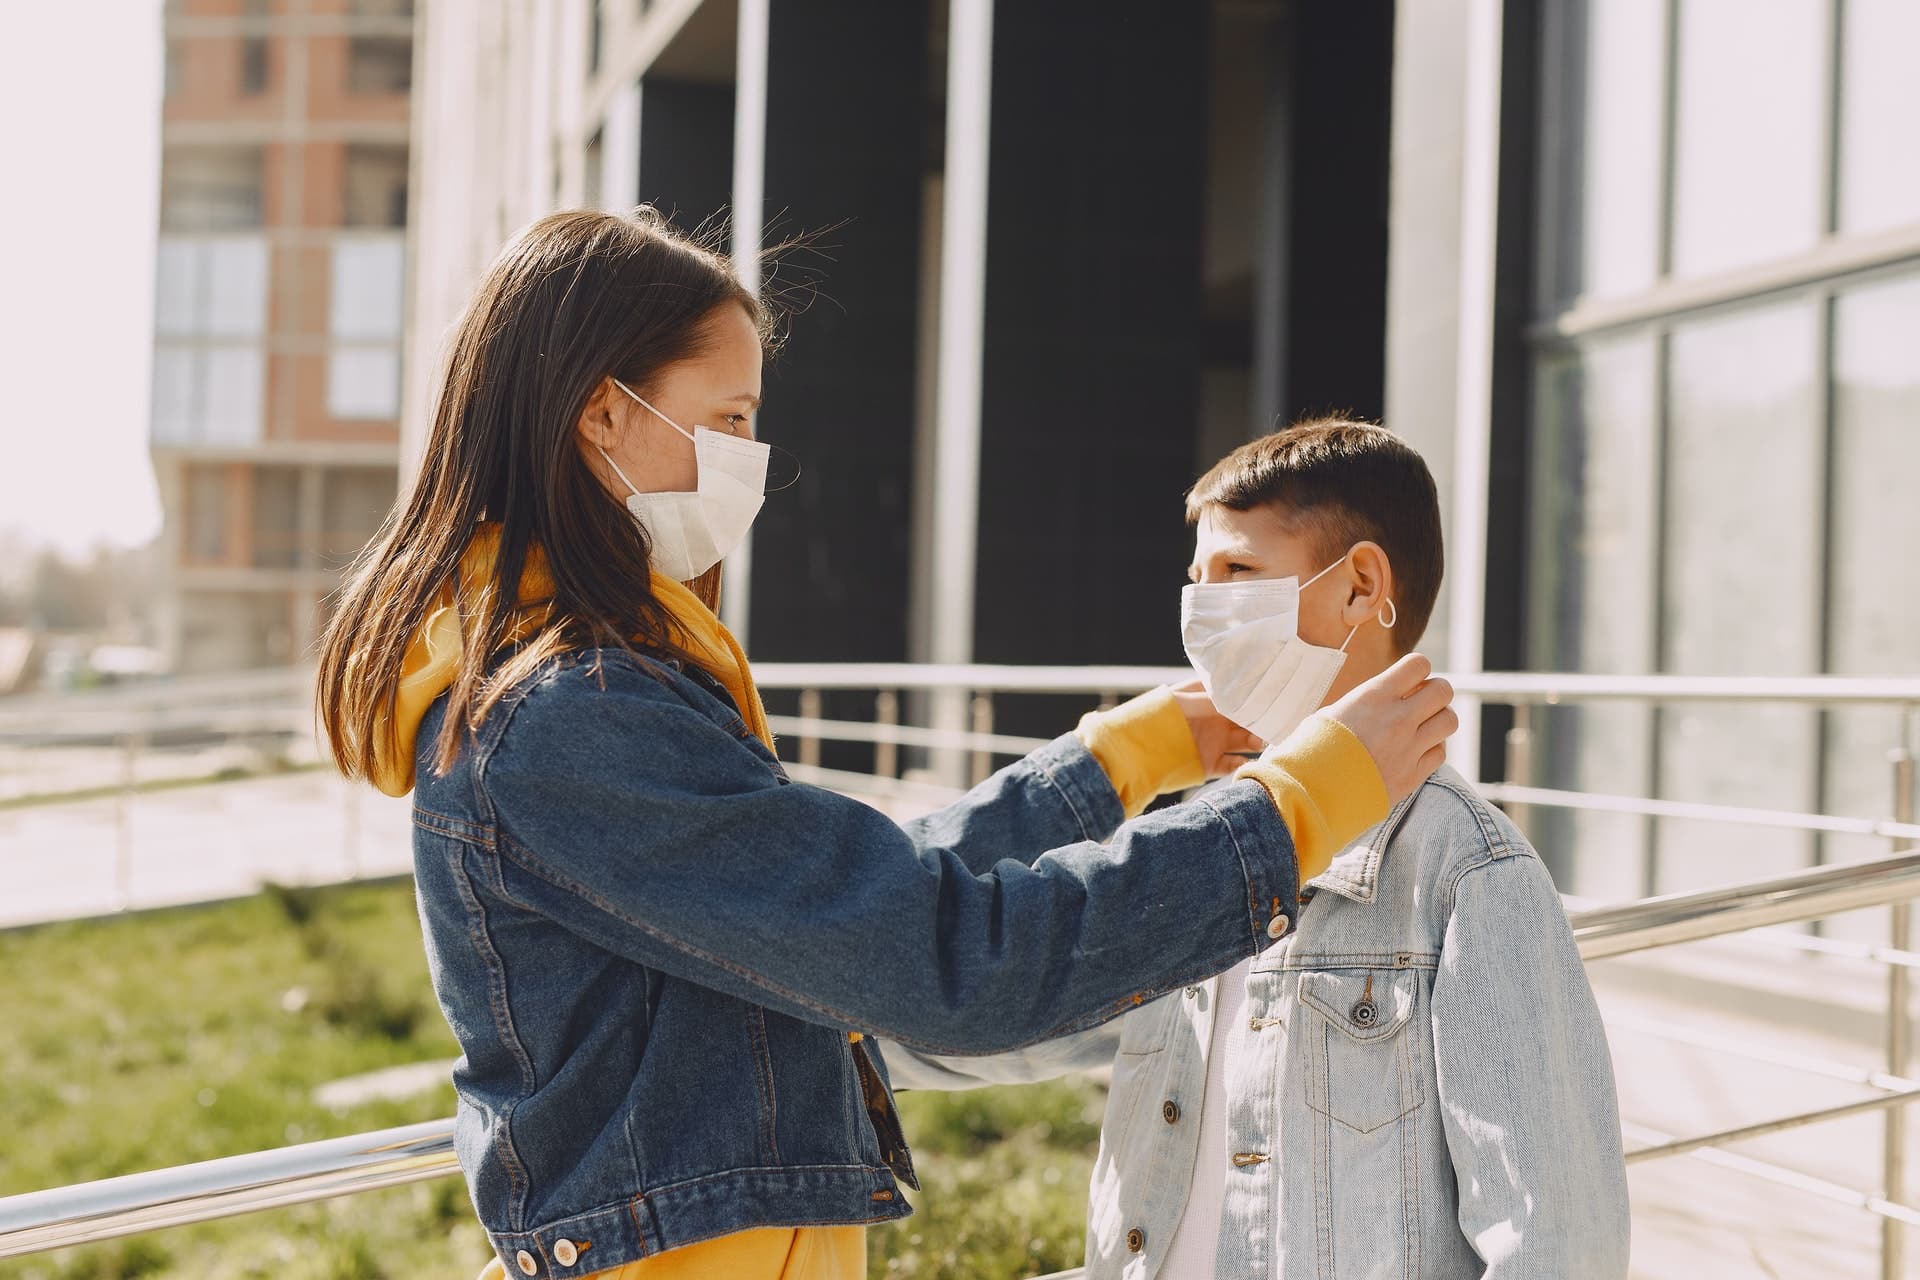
(1326, 786)
(1145, 747)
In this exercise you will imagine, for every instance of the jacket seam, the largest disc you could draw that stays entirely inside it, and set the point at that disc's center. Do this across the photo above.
(1246, 874)
(1045, 773)
(499, 1005)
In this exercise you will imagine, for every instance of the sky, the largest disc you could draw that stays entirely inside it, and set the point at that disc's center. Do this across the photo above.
(79, 169)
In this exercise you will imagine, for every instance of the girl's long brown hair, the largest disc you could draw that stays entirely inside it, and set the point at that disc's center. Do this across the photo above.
(576, 297)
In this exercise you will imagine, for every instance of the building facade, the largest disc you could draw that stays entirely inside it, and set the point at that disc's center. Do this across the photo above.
(1641, 278)
(278, 312)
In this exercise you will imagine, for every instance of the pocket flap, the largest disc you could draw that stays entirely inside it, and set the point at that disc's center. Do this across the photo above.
(1343, 997)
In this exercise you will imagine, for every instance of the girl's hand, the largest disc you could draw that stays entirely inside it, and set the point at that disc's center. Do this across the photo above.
(1224, 746)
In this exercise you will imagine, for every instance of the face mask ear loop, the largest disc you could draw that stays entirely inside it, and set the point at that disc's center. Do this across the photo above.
(617, 471)
(1389, 614)
(655, 412)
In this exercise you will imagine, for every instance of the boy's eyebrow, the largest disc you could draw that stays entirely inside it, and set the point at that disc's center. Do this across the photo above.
(746, 397)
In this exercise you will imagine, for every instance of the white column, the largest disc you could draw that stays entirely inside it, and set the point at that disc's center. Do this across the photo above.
(960, 360)
(1473, 402)
(620, 151)
(749, 199)
(963, 292)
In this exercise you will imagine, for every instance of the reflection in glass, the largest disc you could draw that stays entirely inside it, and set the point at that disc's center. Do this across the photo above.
(1742, 590)
(1874, 616)
(1747, 130)
(1605, 236)
(1879, 115)
(1592, 569)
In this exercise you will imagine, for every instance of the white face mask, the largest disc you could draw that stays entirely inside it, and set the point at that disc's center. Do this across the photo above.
(1244, 640)
(692, 532)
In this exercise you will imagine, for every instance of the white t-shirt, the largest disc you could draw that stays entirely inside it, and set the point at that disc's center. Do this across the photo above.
(1191, 1255)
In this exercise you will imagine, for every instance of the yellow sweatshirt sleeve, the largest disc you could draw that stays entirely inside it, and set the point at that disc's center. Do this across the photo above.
(1144, 747)
(1326, 786)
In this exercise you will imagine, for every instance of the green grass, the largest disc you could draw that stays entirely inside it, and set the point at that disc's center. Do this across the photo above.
(164, 1038)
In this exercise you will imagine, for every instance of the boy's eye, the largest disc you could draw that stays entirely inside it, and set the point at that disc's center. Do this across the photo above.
(1238, 568)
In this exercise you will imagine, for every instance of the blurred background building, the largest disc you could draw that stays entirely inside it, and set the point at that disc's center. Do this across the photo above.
(1641, 278)
(278, 312)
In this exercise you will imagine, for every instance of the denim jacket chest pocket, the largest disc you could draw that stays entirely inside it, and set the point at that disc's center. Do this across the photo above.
(1364, 1056)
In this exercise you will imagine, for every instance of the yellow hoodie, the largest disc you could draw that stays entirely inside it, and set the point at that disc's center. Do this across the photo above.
(433, 657)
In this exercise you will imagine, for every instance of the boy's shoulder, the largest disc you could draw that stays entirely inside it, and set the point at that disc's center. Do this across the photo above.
(1442, 831)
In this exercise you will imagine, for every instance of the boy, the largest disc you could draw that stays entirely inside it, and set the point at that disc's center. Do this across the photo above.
(1416, 1082)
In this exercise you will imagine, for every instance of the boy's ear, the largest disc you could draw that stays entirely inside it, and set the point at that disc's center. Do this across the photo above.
(1370, 584)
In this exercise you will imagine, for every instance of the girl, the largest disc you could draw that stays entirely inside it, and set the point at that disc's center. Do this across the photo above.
(661, 957)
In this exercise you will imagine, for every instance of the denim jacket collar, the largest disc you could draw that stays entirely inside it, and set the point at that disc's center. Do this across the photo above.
(1355, 873)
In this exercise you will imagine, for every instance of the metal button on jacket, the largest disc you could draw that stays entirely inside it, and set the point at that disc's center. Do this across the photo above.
(1277, 927)
(1364, 1013)
(1170, 1111)
(565, 1253)
(525, 1262)
(1136, 1240)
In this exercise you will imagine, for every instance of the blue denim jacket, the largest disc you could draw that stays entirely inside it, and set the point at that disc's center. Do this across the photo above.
(652, 946)
(1418, 1087)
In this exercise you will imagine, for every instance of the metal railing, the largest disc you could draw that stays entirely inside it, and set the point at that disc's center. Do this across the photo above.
(962, 706)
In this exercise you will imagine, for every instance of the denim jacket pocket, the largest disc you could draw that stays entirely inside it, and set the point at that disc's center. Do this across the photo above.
(1363, 1070)
(1144, 1031)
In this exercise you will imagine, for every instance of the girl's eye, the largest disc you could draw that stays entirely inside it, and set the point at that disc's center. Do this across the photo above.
(1239, 568)
(736, 420)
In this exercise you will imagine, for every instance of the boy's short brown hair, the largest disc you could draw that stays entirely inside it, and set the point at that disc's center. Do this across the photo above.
(1343, 482)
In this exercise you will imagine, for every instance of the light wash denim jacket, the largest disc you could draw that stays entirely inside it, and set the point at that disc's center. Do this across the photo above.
(652, 946)
(1425, 1091)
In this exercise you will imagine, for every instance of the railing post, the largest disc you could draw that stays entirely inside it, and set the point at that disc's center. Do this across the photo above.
(886, 755)
(1519, 767)
(982, 723)
(810, 742)
(1893, 1241)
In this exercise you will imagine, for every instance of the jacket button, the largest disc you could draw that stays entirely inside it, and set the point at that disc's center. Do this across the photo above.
(1193, 993)
(1136, 1240)
(1364, 1013)
(1277, 927)
(1170, 1111)
(565, 1253)
(524, 1260)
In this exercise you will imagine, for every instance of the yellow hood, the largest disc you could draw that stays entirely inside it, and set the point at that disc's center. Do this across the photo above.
(433, 656)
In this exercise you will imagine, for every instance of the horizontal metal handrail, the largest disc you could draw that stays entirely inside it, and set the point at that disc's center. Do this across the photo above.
(318, 1170)
(190, 1193)
(1712, 913)
(1518, 686)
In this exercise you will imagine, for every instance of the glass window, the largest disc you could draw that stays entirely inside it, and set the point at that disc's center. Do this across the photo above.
(374, 192)
(232, 391)
(276, 517)
(1874, 614)
(379, 64)
(1593, 571)
(1879, 115)
(253, 65)
(235, 289)
(210, 188)
(1605, 231)
(176, 288)
(207, 514)
(355, 501)
(367, 288)
(1747, 131)
(173, 379)
(363, 382)
(1744, 496)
